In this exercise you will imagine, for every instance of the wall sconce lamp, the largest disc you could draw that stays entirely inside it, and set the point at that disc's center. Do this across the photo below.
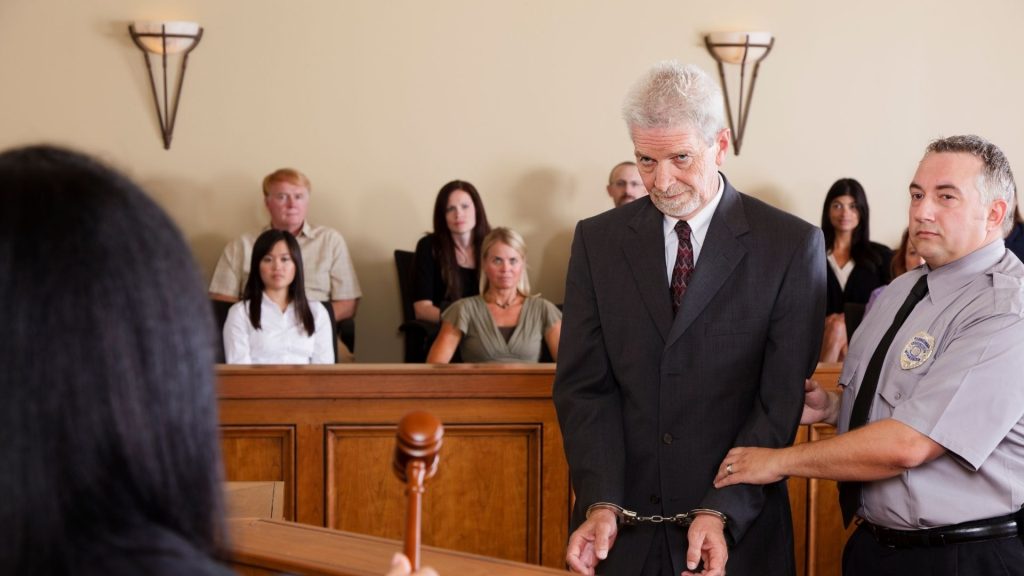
(739, 48)
(163, 39)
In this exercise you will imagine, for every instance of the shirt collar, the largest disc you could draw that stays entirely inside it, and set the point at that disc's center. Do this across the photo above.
(951, 277)
(306, 230)
(700, 221)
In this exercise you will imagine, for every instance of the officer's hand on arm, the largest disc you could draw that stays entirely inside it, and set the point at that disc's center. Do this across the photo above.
(590, 543)
(707, 542)
(820, 405)
(750, 466)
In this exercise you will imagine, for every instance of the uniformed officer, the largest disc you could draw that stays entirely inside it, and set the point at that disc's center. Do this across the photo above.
(930, 453)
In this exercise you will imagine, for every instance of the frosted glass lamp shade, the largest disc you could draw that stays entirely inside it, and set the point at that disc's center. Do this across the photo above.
(729, 47)
(180, 36)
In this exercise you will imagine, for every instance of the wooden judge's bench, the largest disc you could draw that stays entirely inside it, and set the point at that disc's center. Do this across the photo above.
(502, 488)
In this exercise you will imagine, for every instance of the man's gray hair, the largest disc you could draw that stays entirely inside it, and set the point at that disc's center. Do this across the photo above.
(671, 95)
(996, 179)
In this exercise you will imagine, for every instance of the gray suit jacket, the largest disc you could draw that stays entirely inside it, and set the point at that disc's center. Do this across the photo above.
(650, 404)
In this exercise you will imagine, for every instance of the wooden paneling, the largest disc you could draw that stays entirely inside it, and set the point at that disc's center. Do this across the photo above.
(261, 454)
(477, 462)
(799, 507)
(255, 500)
(827, 534)
(503, 484)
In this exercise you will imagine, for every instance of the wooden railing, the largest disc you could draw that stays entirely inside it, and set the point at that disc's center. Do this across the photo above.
(263, 547)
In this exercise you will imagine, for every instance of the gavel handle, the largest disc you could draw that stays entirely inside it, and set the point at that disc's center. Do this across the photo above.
(415, 472)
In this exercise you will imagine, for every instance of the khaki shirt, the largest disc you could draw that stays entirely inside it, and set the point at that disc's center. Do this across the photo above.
(955, 373)
(327, 267)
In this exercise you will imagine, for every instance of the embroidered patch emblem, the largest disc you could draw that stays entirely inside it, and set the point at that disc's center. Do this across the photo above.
(917, 351)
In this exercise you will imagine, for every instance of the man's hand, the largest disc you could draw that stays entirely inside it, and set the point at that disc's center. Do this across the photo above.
(819, 404)
(590, 543)
(707, 542)
(749, 466)
(400, 566)
(816, 403)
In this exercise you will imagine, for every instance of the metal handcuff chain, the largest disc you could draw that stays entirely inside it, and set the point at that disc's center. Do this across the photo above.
(631, 518)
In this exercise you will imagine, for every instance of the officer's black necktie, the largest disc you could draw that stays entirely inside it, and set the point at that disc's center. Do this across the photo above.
(849, 492)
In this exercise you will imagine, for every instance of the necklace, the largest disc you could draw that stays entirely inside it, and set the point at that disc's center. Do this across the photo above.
(505, 305)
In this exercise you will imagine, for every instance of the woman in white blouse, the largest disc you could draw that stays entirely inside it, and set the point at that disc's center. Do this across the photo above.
(274, 323)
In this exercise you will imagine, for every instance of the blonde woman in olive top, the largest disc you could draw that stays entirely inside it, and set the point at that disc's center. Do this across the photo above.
(504, 323)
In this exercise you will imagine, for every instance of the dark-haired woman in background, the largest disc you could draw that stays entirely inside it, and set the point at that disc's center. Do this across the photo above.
(856, 265)
(274, 323)
(447, 260)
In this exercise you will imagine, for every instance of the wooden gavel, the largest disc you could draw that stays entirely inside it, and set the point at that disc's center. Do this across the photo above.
(417, 445)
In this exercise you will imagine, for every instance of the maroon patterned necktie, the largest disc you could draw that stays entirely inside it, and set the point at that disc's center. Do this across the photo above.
(684, 265)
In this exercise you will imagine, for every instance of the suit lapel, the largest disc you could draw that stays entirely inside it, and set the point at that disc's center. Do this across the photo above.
(720, 254)
(645, 254)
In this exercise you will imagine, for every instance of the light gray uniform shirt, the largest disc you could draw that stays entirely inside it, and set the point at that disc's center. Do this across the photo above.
(955, 373)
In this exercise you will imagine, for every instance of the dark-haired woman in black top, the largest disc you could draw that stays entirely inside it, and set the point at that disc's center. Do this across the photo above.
(447, 260)
(856, 265)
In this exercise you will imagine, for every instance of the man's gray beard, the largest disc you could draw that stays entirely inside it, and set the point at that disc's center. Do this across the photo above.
(676, 209)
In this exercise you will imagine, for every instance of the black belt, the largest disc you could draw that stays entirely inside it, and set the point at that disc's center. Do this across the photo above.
(974, 531)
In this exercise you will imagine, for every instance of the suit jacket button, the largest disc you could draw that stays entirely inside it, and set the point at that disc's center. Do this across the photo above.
(667, 438)
(655, 499)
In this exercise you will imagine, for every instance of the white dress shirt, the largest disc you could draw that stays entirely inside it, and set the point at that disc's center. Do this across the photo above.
(281, 339)
(842, 272)
(699, 224)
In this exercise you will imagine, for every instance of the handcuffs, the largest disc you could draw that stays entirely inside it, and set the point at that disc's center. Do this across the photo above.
(631, 518)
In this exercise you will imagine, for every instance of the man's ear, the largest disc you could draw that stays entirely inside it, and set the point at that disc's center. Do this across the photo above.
(722, 145)
(996, 214)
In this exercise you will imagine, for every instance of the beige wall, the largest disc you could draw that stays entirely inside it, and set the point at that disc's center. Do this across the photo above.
(382, 102)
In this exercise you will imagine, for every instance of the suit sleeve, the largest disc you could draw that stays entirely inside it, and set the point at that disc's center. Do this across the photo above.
(586, 394)
(790, 356)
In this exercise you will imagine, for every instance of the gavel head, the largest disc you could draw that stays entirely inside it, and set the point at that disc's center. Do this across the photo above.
(419, 438)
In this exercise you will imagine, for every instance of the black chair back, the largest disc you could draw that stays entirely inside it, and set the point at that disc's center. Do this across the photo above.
(404, 261)
(419, 335)
(220, 316)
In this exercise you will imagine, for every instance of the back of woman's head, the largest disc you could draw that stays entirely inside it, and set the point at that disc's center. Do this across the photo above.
(108, 383)
(254, 286)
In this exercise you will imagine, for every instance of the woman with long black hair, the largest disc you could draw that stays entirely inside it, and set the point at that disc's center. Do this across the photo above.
(447, 260)
(856, 265)
(274, 323)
